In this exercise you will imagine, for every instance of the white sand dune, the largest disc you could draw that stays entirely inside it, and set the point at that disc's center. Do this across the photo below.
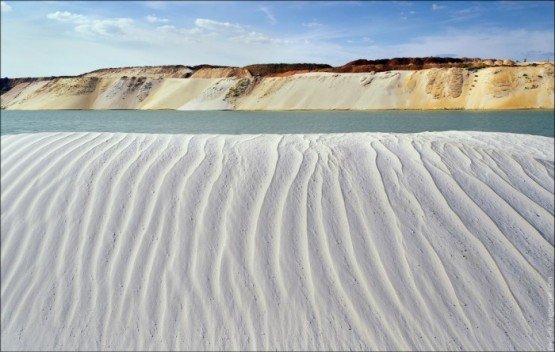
(431, 241)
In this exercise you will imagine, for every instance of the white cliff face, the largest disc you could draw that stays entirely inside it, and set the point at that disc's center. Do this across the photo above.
(502, 87)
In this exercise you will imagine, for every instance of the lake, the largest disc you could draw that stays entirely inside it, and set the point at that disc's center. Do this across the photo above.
(536, 122)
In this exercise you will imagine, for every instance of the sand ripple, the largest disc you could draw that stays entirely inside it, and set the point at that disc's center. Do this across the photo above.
(361, 241)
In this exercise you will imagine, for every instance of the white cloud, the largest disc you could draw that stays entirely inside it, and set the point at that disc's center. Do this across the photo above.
(154, 19)
(5, 7)
(217, 26)
(217, 32)
(269, 14)
(166, 28)
(438, 7)
(180, 32)
(204, 30)
(95, 27)
(256, 37)
(108, 28)
(67, 17)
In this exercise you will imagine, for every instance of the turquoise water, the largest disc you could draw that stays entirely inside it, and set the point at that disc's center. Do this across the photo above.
(239, 122)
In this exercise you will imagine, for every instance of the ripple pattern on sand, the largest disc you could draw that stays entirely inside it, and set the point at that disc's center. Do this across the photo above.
(433, 241)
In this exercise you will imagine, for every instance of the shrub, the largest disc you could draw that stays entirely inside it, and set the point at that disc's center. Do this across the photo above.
(476, 68)
(239, 88)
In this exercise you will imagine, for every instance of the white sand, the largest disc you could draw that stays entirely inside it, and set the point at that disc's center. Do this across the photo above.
(431, 241)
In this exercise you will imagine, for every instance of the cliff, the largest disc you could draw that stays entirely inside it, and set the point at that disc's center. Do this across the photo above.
(428, 83)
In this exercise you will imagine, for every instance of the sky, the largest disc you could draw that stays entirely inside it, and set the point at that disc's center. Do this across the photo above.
(51, 38)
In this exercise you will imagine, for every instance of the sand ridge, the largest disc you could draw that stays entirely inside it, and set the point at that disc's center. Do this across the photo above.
(429, 241)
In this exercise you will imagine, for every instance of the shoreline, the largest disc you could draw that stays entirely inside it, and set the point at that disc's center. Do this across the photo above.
(355, 134)
(298, 110)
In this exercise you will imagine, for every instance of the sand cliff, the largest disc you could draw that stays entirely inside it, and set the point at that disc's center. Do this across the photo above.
(481, 86)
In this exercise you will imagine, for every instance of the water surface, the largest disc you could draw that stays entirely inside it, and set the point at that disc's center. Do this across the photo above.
(536, 122)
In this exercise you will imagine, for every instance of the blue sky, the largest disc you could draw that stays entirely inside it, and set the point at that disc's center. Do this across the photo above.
(71, 37)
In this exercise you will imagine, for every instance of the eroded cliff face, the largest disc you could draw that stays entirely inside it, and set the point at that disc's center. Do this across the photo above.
(477, 86)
